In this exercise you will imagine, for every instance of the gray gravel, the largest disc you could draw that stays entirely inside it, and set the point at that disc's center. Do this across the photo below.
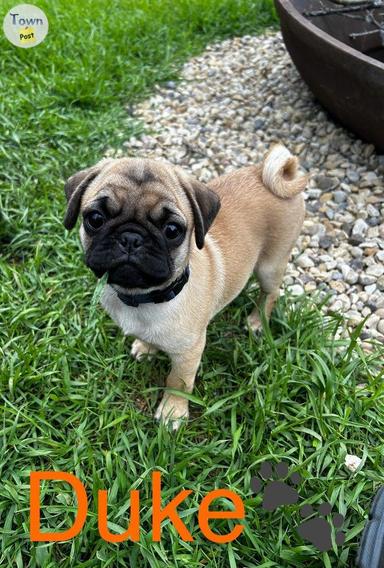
(233, 101)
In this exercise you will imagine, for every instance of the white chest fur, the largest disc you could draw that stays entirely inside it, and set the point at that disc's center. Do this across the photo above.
(154, 323)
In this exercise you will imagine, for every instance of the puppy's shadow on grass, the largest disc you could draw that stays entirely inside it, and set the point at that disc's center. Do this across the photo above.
(229, 330)
(8, 249)
(232, 352)
(147, 376)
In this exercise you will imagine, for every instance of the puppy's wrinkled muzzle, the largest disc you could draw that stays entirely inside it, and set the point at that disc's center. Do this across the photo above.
(131, 259)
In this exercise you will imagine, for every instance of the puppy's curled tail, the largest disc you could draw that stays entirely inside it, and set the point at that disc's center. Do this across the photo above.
(279, 173)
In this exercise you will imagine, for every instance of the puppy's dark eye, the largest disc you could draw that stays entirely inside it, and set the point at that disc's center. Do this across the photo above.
(172, 231)
(94, 220)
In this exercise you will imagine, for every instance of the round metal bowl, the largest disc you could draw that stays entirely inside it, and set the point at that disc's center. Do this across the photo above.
(343, 67)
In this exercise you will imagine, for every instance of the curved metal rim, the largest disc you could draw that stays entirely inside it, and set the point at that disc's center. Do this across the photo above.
(351, 51)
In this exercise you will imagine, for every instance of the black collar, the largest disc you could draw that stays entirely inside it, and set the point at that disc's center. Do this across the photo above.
(156, 296)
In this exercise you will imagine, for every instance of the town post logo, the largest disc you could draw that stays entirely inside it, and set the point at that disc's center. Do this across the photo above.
(25, 25)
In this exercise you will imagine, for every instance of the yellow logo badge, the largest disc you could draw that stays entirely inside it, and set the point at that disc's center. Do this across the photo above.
(27, 35)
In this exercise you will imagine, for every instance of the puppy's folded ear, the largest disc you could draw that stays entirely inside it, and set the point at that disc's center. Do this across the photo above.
(205, 204)
(74, 190)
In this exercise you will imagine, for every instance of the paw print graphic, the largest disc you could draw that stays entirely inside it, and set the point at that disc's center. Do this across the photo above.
(318, 530)
(277, 492)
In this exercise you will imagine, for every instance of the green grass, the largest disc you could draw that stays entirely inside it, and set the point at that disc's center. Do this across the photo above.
(65, 101)
(71, 398)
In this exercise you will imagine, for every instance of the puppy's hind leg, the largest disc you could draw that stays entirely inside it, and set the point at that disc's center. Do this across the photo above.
(269, 272)
(141, 349)
(280, 176)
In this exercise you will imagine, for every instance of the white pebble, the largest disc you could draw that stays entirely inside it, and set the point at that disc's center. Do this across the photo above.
(352, 462)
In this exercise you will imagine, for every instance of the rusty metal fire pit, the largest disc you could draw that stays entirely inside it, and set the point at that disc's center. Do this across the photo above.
(338, 50)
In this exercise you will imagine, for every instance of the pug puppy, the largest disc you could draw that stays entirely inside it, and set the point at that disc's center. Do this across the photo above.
(177, 251)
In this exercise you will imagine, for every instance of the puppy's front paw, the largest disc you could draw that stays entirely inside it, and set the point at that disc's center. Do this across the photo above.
(172, 410)
(255, 324)
(140, 349)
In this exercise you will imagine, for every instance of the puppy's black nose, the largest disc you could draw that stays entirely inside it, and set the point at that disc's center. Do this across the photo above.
(131, 241)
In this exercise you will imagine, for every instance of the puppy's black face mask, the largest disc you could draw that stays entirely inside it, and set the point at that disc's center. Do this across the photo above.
(135, 254)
